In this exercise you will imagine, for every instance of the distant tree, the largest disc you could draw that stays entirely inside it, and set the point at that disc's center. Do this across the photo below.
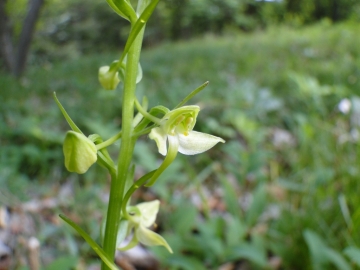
(14, 57)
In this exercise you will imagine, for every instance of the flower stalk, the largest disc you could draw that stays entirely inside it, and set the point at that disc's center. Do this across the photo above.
(126, 150)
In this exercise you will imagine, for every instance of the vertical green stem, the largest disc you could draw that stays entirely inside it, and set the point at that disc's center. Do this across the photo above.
(126, 149)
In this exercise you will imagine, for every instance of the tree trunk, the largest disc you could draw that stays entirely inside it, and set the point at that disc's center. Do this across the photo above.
(6, 45)
(15, 60)
(26, 36)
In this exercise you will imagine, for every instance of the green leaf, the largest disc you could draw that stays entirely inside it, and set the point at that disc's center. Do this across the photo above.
(138, 26)
(316, 248)
(66, 262)
(192, 94)
(231, 198)
(247, 251)
(99, 251)
(123, 8)
(337, 259)
(183, 219)
(353, 253)
(257, 205)
(186, 263)
(321, 254)
(235, 232)
(67, 117)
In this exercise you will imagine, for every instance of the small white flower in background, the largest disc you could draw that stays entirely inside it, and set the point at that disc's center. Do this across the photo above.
(141, 217)
(344, 106)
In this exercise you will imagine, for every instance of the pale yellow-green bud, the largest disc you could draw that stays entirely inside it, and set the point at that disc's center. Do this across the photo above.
(108, 80)
(79, 151)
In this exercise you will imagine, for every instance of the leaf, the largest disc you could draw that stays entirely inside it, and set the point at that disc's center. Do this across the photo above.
(257, 205)
(231, 198)
(138, 26)
(316, 248)
(67, 117)
(66, 262)
(192, 94)
(321, 254)
(186, 263)
(123, 9)
(236, 231)
(353, 253)
(337, 259)
(99, 251)
(247, 251)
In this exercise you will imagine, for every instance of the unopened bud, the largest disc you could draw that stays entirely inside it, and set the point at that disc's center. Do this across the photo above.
(79, 151)
(108, 79)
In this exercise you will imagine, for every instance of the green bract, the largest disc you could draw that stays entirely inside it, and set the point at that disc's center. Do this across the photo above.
(108, 79)
(141, 217)
(79, 151)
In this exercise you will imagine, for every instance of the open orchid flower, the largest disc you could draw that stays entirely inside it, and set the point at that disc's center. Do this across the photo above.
(176, 128)
(141, 217)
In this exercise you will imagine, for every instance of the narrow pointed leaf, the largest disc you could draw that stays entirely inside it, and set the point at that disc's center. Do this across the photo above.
(67, 117)
(126, 9)
(99, 251)
(192, 94)
(138, 26)
(116, 9)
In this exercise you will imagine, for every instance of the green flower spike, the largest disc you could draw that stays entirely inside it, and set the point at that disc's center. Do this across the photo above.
(176, 127)
(108, 79)
(141, 217)
(79, 151)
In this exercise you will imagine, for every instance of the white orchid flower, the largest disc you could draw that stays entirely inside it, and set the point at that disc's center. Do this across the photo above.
(176, 128)
(141, 217)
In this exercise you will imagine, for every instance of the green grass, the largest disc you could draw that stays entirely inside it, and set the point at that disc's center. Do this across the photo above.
(254, 199)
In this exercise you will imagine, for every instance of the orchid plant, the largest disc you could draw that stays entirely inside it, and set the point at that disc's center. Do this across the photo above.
(172, 130)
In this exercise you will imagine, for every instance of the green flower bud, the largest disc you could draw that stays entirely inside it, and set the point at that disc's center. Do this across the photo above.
(108, 79)
(79, 151)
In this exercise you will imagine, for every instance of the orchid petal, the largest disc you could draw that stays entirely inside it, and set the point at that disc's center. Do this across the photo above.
(171, 155)
(149, 238)
(197, 142)
(160, 137)
(148, 211)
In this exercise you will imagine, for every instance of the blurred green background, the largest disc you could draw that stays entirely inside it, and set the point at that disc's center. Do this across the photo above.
(282, 193)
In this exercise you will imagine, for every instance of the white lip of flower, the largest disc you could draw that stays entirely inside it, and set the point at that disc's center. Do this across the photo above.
(142, 217)
(177, 128)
